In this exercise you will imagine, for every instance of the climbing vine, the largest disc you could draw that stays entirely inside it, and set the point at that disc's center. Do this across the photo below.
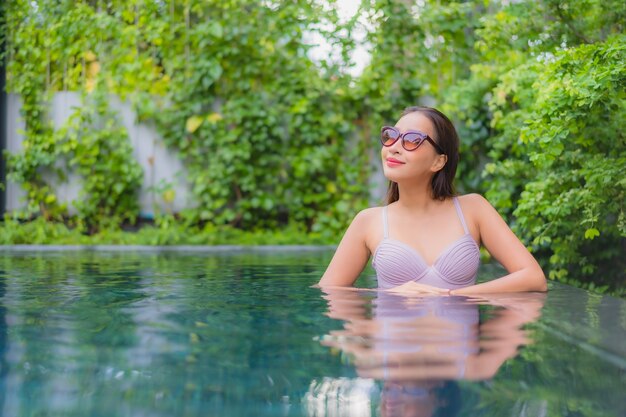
(260, 150)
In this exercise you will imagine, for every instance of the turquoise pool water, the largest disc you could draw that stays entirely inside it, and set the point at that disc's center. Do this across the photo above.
(244, 334)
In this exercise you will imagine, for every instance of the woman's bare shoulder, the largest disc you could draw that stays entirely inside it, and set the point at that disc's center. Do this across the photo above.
(367, 216)
(473, 201)
(370, 224)
(476, 208)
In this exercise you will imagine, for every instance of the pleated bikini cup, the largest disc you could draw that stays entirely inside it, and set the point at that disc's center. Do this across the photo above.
(396, 262)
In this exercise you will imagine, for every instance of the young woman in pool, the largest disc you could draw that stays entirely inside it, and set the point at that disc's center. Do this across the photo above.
(426, 239)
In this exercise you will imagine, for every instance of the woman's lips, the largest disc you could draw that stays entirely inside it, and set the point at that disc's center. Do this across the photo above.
(393, 163)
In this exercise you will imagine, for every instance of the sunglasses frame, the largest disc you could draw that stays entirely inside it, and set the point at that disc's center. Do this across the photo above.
(423, 136)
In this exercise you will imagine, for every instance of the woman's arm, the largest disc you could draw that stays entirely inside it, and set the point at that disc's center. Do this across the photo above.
(525, 274)
(351, 255)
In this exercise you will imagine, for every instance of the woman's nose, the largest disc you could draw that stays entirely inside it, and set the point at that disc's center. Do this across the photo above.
(397, 146)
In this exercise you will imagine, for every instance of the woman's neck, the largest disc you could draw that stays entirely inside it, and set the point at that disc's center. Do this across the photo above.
(416, 198)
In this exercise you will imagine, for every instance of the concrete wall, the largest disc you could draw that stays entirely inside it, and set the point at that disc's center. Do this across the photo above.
(15, 124)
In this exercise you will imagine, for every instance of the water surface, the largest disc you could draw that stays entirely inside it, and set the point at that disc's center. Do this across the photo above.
(238, 334)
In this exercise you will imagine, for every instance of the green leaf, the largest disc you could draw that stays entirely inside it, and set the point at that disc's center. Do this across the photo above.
(193, 123)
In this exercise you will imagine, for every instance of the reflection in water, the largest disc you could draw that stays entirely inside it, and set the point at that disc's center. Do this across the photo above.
(418, 347)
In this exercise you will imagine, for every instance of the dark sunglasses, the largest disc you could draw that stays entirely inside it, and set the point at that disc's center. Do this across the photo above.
(411, 140)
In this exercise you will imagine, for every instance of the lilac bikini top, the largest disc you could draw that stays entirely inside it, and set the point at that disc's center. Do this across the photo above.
(396, 262)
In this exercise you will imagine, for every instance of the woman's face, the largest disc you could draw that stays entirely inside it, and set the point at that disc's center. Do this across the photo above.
(400, 165)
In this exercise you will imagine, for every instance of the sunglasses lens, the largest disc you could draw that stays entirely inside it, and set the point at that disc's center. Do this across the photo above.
(412, 141)
(388, 137)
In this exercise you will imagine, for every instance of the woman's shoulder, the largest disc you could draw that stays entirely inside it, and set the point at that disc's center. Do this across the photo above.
(368, 220)
(368, 214)
(369, 223)
(477, 208)
(473, 201)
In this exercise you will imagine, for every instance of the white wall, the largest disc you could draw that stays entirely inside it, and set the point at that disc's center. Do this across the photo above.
(15, 124)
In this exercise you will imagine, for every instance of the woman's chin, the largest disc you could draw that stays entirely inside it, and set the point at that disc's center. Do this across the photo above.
(390, 174)
(394, 177)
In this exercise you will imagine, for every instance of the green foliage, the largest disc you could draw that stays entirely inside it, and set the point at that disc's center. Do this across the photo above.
(253, 142)
(92, 145)
(557, 147)
(167, 231)
(260, 150)
(100, 151)
(575, 141)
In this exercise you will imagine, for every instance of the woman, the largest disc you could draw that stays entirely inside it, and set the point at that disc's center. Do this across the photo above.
(427, 239)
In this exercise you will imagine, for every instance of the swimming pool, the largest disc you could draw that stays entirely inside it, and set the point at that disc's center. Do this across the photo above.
(241, 333)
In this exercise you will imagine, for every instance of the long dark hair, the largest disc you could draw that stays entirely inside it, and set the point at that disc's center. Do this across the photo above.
(442, 185)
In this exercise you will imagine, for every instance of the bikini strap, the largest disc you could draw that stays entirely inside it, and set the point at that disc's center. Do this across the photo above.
(385, 227)
(459, 212)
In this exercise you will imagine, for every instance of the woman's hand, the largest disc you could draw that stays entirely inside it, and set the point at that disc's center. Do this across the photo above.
(413, 288)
